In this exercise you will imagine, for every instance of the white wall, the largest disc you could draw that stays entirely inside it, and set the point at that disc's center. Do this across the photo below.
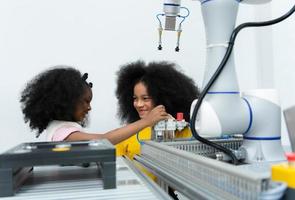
(98, 36)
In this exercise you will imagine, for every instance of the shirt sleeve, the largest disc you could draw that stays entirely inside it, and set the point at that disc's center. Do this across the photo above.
(63, 132)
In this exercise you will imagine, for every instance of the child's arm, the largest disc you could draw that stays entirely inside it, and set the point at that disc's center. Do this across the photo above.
(120, 134)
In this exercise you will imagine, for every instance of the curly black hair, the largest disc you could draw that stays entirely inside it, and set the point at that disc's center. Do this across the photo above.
(52, 95)
(166, 85)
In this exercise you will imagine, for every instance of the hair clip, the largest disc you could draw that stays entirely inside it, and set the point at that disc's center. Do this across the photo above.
(85, 76)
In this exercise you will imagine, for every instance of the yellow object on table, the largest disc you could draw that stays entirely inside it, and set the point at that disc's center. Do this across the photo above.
(285, 172)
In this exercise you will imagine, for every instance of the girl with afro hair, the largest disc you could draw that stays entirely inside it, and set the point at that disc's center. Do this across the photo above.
(58, 101)
(141, 87)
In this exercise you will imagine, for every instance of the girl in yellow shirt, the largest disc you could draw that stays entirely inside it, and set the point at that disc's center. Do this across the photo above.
(141, 87)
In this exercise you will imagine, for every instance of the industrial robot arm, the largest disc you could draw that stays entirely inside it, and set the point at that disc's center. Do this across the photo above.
(222, 109)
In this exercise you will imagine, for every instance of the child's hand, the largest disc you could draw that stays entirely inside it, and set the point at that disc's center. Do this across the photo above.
(156, 114)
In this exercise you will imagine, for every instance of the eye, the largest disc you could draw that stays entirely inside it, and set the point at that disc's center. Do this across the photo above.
(147, 98)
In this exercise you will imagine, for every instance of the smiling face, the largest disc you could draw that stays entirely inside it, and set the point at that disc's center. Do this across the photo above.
(142, 102)
(83, 105)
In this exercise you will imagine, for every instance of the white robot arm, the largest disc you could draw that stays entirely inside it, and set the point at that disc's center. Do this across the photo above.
(225, 110)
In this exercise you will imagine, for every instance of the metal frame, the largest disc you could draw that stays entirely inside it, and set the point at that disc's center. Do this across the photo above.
(197, 176)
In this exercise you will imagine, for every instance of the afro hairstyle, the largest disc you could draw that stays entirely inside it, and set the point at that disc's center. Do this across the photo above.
(166, 84)
(52, 95)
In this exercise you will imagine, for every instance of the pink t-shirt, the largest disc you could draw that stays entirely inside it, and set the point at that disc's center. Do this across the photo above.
(60, 130)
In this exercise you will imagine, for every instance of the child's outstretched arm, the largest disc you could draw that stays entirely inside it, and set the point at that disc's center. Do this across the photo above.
(117, 135)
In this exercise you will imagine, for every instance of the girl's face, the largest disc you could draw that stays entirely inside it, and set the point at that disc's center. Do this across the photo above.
(83, 105)
(142, 102)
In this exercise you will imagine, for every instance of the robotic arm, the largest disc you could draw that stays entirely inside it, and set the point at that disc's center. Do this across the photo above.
(223, 109)
(227, 111)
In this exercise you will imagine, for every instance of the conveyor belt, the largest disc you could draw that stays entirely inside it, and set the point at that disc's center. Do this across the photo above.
(200, 177)
(74, 182)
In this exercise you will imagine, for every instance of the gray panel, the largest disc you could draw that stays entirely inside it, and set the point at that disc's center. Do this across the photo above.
(290, 123)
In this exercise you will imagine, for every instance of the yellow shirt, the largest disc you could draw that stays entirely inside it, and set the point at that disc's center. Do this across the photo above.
(131, 146)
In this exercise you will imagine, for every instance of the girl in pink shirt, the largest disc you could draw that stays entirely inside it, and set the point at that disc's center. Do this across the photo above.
(58, 101)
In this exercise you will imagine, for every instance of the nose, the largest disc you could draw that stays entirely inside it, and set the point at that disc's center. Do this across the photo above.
(89, 107)
(139, 103)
